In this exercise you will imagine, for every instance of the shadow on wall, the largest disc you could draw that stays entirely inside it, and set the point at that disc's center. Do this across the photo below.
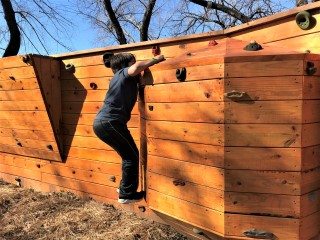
(75, 98)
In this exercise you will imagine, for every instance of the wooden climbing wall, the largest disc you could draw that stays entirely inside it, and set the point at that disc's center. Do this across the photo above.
(30, 107)
(217, 182)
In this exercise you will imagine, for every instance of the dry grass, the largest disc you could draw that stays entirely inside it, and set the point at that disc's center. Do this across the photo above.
(26, 214)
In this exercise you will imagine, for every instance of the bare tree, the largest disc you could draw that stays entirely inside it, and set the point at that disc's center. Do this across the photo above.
(28, 23)
(140, 20)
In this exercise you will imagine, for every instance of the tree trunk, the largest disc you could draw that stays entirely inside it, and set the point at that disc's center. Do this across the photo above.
(15, 37)
(220, 7)
(146, 21)
(115, 23)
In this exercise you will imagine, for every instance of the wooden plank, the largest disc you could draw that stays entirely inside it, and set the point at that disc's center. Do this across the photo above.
(205, 133)
(22, 123)
(310, 156)
(201, 112)
(189, 152)
(264, 69)
(263, 204)
(310, 111)
(285, 28)
(27, 134)
(193, 73)
(22, 106)
(310, 203)
(94, 188)
(196, 215)
(21, 95)
(202, 91)
(12, 62)
(20, 172)
(278, 159)
(32, 116)
(265, 112)
(89, 165)
(263, 135)
(282, 228)
(84, 175)
(88, 118)
(33, 164)
(189, 172)
(269, 88)
(26, 143)
(310, 136)
(310, 180)
(17, 73)
(200, 195)
(85, 83)
(87, 72)
(263, 182)
(39, 153)
(93, 154)
(309, 227)
(311, 87)
(83, 95)
(21, 84)
(87, 131)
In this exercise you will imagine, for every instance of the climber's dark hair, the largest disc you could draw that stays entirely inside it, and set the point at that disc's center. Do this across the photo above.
(118, 61)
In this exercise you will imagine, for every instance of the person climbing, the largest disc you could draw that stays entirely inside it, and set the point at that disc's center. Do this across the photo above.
(110, 123)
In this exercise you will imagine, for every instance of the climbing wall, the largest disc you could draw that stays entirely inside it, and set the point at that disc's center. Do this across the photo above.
(30, 107)
(232, 146)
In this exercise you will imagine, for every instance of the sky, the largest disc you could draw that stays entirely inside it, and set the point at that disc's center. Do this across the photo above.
(81, 36)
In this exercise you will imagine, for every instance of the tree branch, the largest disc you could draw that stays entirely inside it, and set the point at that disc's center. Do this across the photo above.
(232, 12)
(146, 21)
(15, 37)
(115, 23)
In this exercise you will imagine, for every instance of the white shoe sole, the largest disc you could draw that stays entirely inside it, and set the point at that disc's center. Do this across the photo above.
(127, 201)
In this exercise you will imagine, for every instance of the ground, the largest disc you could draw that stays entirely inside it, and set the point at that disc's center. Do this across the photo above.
(27, 215)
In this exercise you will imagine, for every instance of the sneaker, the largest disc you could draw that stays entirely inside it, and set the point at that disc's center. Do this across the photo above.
(138, 196)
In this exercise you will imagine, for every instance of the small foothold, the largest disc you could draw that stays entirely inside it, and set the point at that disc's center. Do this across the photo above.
(284, 182)
(213, 43)
(308, 51)
(253, 46)
(12, 78)
(181, 74)
(197, 231)
(239, 183)
(38, 165)
(311, 69)
(70, 67)
(26, 58)
(156, 50)
(150, 108)
(93, 85)
(142, 208)
(50, 147)
(112, 178)
(73, 172)
(19, 144)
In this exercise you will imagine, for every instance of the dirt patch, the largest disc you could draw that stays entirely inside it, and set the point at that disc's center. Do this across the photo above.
(27, 215)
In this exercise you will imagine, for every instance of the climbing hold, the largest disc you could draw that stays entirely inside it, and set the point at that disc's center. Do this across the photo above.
(18, 182)
(156, 50)
(142, 208)
(303, 20)
(197, 231)
(26, 59)
(213, 43)
(311, 69)
(178, 183)
(93, 85)
(106, 58)
(253, 46)
(70, 68)
(112, 178)
(181, 74)
(235, 95)
(150, 108)
(12, 78)
(259, 234)
(19, 144)
(50, 147)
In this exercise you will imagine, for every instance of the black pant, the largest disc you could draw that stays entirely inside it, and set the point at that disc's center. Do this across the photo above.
(117, 135)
